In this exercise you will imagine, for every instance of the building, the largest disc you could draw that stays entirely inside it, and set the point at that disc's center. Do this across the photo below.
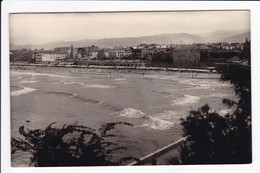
(92, 54)
(120, 53)
(86, 52)
(48, 56)
(73, 53)
(81, 53)
(185, 56)
(103, 54)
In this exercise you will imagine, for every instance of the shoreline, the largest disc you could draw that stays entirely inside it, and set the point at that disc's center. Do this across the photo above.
(188, 70)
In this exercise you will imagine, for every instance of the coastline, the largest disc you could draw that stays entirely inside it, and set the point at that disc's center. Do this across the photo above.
(141, 68)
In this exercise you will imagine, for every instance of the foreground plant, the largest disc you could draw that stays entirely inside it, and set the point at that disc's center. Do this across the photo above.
(212, 138)
(71, 145)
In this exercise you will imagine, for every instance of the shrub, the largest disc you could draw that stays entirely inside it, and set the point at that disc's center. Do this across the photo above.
(71, 145)
(212, 138)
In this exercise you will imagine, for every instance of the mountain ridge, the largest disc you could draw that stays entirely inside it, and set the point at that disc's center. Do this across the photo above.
(165, 38)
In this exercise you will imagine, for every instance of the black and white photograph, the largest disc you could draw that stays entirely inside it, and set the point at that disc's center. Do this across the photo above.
(130, 88)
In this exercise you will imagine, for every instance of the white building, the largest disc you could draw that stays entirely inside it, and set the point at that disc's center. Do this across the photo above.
(48, 56)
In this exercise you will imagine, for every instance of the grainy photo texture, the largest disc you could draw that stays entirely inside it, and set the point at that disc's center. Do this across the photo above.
(130, 88)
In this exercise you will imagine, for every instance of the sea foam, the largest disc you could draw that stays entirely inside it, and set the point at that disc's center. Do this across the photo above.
(131, 113)
(120, 79)
(37, 74)
(27, 81)
(157, 123)
(187, 99)
(88, 85)
(149, 121)
(24, 90)
(218, 95)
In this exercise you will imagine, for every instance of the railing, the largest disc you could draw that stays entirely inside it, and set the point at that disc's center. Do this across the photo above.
(152, 156)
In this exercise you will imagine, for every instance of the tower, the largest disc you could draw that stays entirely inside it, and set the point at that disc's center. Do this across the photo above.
(71, 51)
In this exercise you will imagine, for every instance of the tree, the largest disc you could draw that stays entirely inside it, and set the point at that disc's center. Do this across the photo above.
(212, 138)
(71, 145)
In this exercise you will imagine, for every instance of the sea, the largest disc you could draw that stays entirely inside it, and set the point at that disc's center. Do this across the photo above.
(153, 101)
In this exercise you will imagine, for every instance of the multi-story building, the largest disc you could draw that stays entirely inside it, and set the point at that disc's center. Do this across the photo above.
(128, 53)
(119, 53)
(86, 52)
(48, 56)
(185, 56)
(73, 52)
(92, 54)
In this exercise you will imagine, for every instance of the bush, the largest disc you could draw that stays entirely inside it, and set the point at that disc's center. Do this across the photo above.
(71, 145)
(212, 138)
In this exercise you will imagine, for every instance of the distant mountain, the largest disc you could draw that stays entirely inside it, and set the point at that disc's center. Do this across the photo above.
(181, 38)
(226, 36)
(238, 38)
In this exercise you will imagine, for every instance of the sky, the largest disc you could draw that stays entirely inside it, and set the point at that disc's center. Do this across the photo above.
(44, 28)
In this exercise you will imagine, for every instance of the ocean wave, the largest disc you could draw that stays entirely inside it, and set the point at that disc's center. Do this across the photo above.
(171, 115)
(204, 84)
(98, 86)
(120, 79)
(38, 74)
(161, 92)
(218, 95)
(24, 90)
(86, 100)
(151, 122)
(131, 113)
(160, 77)
(63, 93)
(187, 99)
(28, 81)
(157, 123)
(88, 85)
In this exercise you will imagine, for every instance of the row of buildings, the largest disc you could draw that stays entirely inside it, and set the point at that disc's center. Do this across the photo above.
(179, 55)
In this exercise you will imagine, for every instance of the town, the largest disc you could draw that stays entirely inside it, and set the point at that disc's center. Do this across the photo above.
(192, 56)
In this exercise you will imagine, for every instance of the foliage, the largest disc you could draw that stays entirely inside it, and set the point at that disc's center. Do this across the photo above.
(246, 53)
(21, 55)
(212, 138)
(71, 145)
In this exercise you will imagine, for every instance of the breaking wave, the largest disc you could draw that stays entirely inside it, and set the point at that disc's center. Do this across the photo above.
(28, 81)
(89, 85)
(187, 99)
(218, 95)
(172, 115)
(24, 90)
(204, 84)
(120, 79)
(157, 124)
(38, 74)
(131, 113)
(160, 78)
(149, 121)
(86, 100)
(99, 86)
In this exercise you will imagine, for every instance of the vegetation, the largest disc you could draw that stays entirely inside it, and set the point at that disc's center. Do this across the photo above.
(71, 145)
(212, 138)
(21, 55)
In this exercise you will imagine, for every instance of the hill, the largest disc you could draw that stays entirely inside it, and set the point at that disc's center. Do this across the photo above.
(180, 38)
